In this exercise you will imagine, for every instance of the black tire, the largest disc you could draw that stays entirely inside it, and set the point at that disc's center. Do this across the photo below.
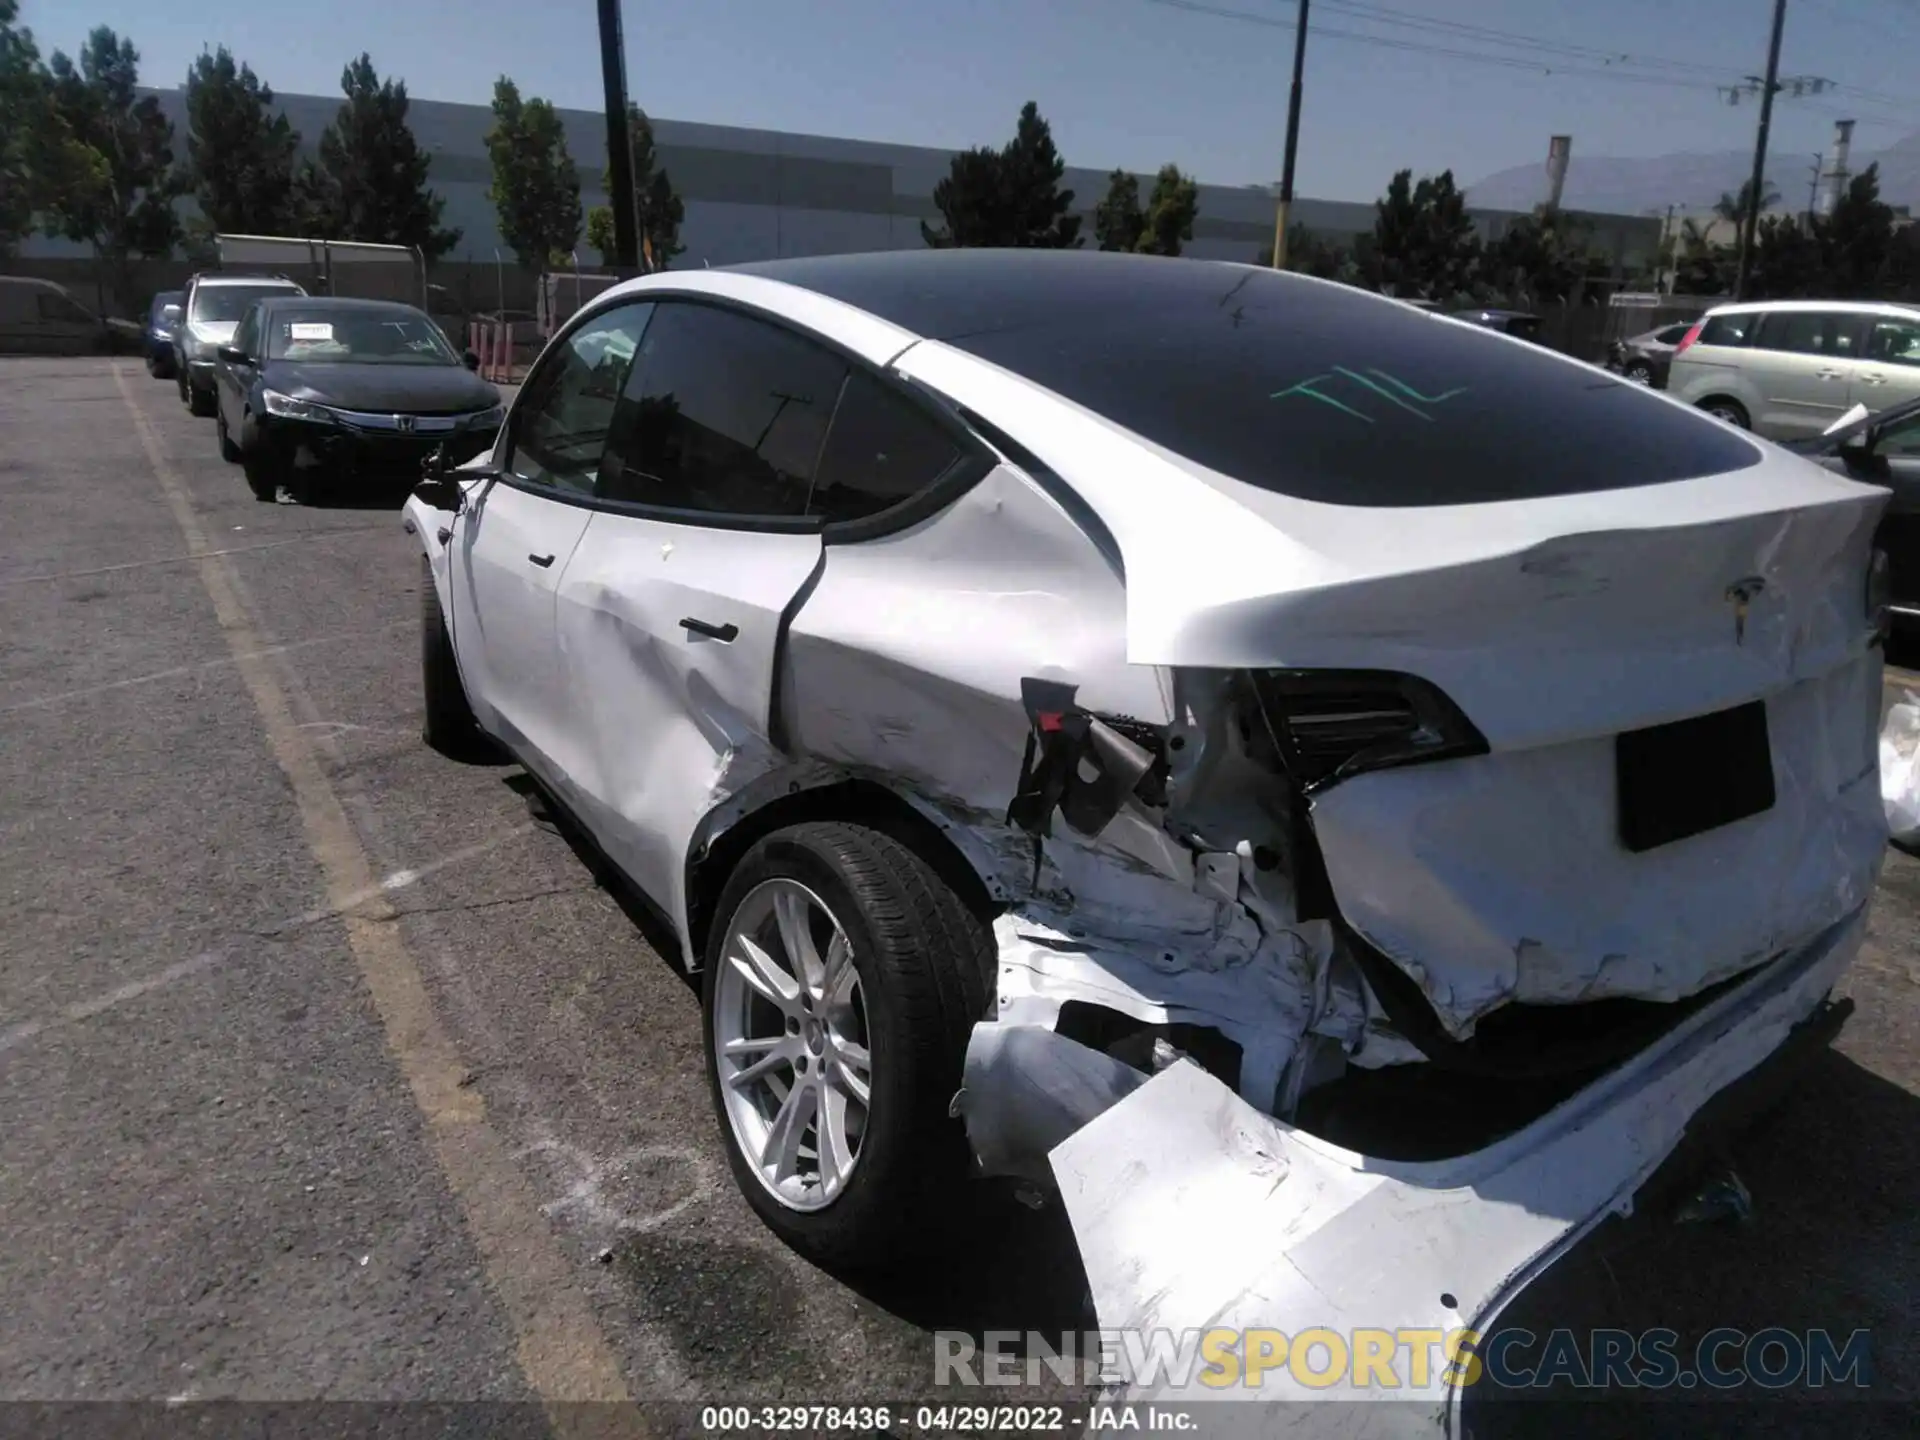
(180, 383)
(262, 471)
(450, 726)
(1639, 372)
(926, 965)
(200, 402)
(1731, 411)
(229, 451)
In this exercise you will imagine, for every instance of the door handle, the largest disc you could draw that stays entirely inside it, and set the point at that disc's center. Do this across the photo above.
(1826, 374)
(1873, 379)
(543, 561)
(726, 634)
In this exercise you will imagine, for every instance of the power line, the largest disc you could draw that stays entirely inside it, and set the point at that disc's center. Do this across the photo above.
(1540, 64)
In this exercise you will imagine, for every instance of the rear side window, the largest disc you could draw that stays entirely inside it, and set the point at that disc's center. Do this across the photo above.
(724, 415)
(1329, 395)
(1825, 333)
(1727, 330)
(1894, 342)
(880, 451)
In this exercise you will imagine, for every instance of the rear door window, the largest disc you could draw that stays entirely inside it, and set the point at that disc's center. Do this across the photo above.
(1829, 334)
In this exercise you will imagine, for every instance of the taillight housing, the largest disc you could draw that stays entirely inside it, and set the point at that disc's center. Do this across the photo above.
(1331, 724)
(1693, 334)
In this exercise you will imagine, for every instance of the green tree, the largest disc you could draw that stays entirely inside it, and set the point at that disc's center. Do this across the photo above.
(1311, 254)
(659, 212)
(1856, 241)
(1118, 221)
(1424, 245)
(1539, 259)
(1171, 210)
(240, 149)
(1787, 258)
(1007, 197)
(121, 202)
(536, 188)
(372, 171)
(1160, 227)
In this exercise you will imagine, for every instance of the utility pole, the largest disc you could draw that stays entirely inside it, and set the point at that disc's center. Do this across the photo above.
(1293, 143)
(613, 76)
(1751, 219)
(1813, 190)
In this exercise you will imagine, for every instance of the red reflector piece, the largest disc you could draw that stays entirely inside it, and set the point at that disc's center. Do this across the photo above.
(1050, 720)
(1692, 335)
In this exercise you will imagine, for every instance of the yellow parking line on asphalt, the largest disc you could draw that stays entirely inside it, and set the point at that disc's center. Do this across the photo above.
(561, 1349)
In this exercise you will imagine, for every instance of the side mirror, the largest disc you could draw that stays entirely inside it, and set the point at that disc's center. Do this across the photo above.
(472, 358)
(234, 355)
(437, 487)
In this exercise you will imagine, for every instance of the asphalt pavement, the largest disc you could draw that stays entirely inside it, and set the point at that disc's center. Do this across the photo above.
(326, 1074)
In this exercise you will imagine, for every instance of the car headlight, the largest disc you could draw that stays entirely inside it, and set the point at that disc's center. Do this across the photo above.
(288, 408)
(488, 419)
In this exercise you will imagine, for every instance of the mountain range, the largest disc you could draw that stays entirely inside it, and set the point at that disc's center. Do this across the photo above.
(1617, 185)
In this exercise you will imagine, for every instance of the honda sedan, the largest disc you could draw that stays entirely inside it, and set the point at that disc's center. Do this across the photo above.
(1329, 790)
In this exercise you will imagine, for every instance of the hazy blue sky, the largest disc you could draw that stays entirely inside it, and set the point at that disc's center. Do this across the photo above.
(1124, 82)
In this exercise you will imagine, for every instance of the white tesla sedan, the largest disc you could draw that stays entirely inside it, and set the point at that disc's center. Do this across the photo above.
(1330, 789)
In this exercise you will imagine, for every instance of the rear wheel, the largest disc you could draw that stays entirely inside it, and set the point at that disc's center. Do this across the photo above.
(450, 726)
(1731, 411)
(843, 979)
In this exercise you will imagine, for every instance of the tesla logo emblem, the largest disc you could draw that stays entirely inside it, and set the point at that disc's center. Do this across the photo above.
(403, 423)
(1741, 594)
(1382, 385)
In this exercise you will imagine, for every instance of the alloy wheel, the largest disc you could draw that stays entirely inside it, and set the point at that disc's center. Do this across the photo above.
(791, 1042)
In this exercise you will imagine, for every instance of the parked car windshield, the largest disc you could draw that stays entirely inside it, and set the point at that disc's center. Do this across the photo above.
(358, 337)
(223, 304)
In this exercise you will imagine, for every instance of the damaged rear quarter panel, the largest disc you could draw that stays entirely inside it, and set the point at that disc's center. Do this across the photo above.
(907, 657)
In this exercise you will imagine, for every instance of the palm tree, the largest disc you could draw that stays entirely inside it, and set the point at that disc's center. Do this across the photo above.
(1733, 208)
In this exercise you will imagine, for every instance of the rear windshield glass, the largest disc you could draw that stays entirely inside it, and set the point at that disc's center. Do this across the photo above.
(227, 303)
(360, 337)
(1344, 399)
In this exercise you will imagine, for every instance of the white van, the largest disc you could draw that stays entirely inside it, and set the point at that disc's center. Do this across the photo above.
(39, 317)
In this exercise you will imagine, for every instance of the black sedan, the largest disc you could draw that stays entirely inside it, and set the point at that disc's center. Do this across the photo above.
(163, 318)
(315, 391)
(1883, 449)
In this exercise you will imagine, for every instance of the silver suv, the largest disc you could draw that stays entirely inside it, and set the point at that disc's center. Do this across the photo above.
(1789, 369)
(214, 305)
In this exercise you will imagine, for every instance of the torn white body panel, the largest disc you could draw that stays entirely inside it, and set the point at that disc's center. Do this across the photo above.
(922, 683)
(1501, 878)
(1194, 1211)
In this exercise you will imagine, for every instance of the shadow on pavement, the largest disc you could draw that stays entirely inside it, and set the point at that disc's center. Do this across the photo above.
(1834, 1175)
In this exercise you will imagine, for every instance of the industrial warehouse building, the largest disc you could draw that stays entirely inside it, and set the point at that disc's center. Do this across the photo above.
(760, 194)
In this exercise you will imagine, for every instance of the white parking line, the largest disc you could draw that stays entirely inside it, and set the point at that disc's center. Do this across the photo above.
(61, 697)
(561, 1349)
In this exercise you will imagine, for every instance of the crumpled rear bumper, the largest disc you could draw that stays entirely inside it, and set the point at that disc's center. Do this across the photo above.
(1196, 1212)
